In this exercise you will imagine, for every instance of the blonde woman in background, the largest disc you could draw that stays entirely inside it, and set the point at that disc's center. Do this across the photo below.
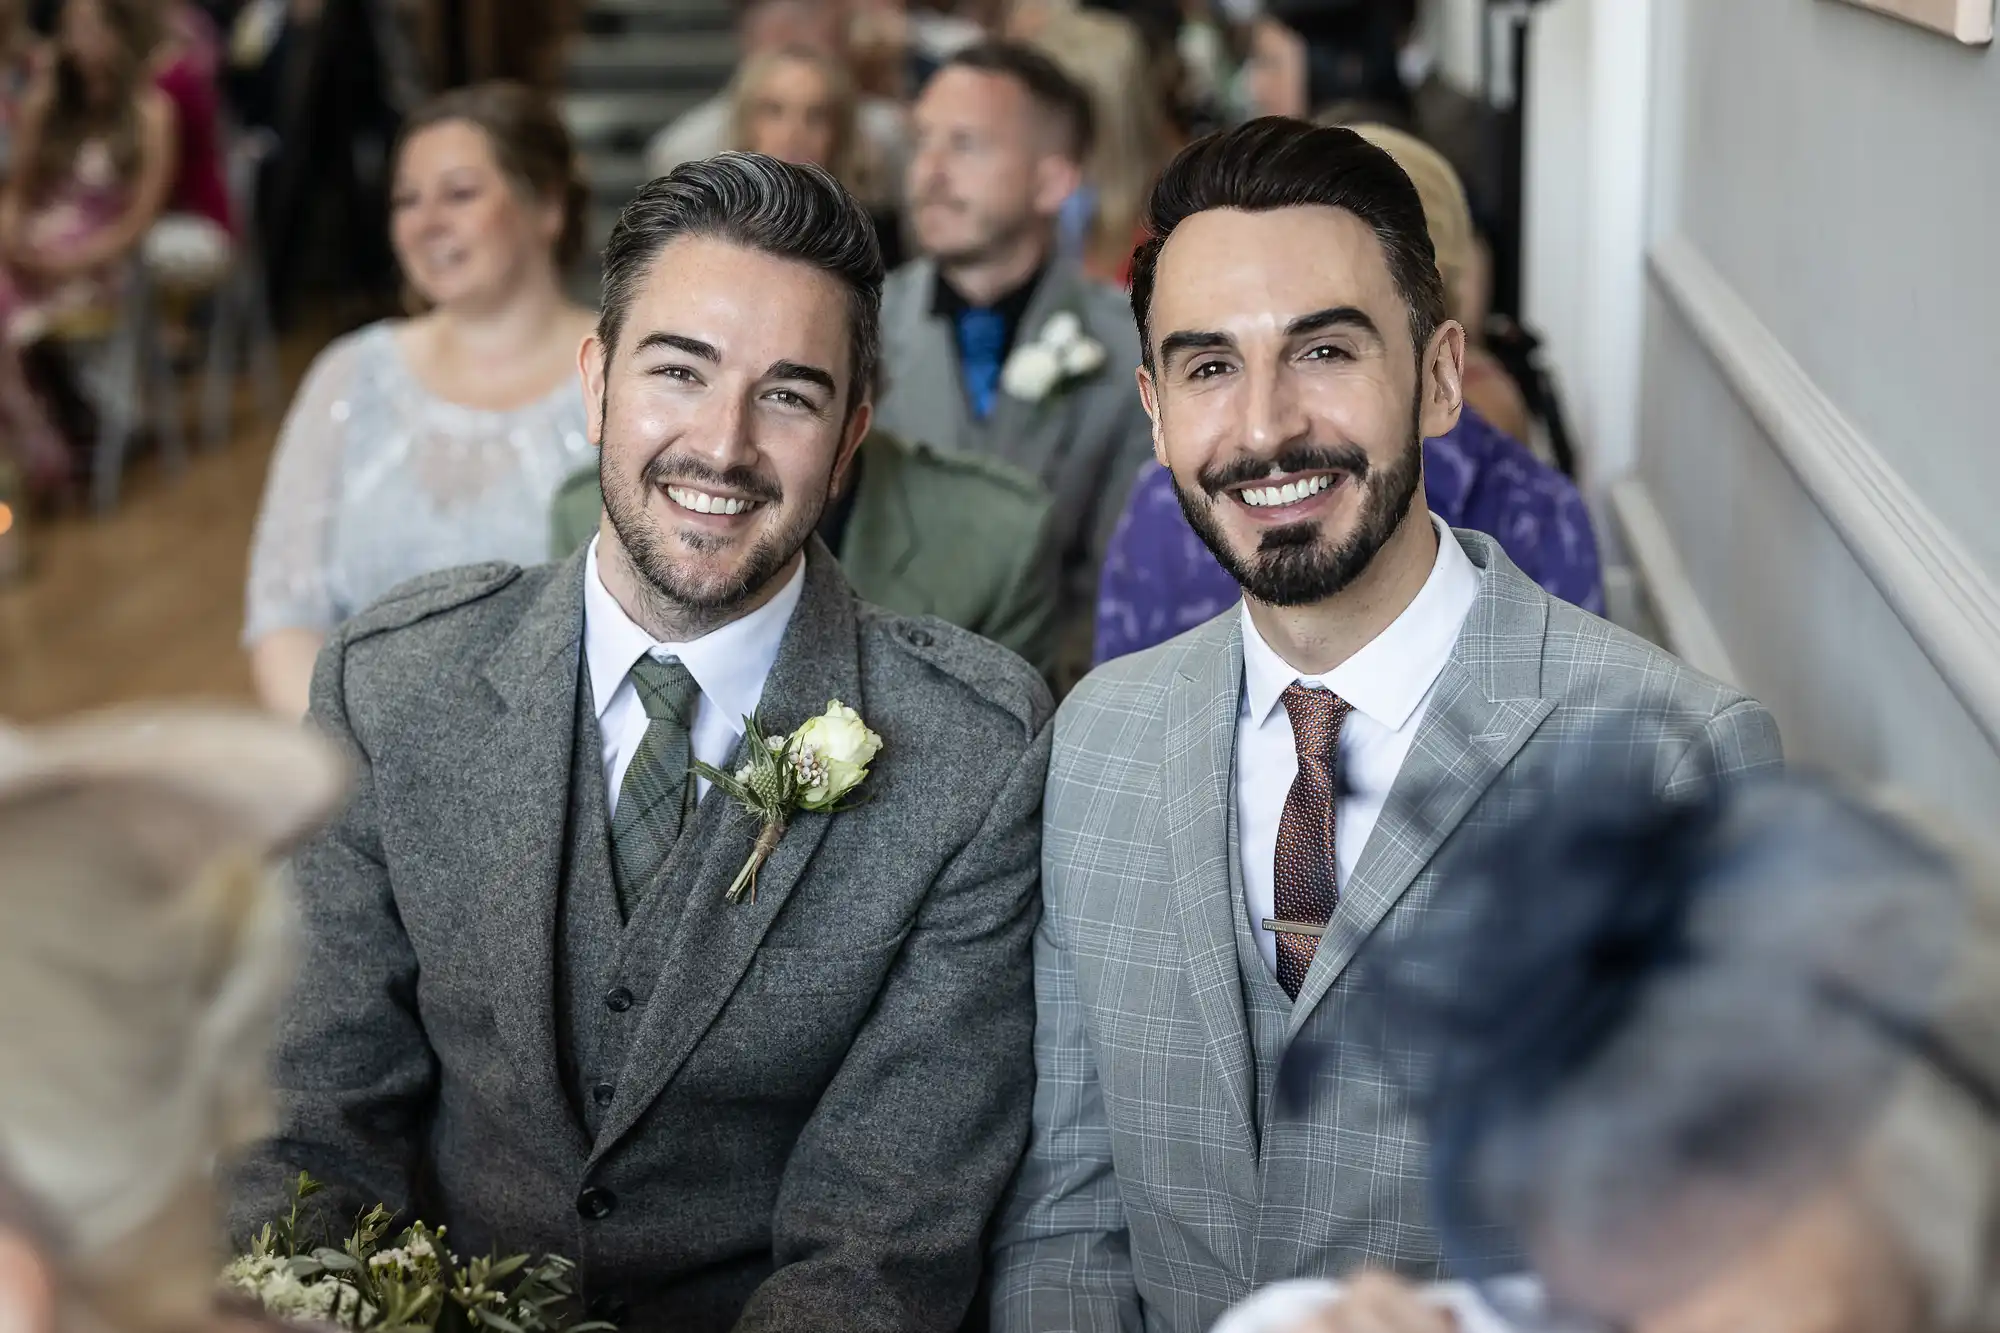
(144, 948)
(800, 106)
(1106, 55)
(1462, 259)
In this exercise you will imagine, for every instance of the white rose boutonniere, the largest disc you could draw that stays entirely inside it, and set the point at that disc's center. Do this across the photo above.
(1060, 354)
(815, 768)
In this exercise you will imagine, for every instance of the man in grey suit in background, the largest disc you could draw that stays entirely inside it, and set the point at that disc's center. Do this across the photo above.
(1001, 137)
(528, 1011)
(1231, 815)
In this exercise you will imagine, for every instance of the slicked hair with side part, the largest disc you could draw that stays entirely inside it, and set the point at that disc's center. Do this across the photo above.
(1275, 162)
(759, 203)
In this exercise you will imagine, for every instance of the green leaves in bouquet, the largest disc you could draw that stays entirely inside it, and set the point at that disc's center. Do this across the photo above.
(416, 1285)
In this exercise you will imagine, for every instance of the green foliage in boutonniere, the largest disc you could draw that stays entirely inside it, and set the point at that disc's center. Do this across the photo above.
(416, 1285)
(812, 769)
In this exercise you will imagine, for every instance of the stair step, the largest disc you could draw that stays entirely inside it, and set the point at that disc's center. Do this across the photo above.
(702, 60)
(624, 121)
(639, 18)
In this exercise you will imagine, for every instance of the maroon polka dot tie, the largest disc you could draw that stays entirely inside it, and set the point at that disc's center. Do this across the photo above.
(1304, 870)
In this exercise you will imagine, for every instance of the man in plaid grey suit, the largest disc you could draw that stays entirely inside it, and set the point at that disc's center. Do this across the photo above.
(1231, 816)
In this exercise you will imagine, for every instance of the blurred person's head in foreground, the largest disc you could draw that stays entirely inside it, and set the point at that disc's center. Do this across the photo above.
(799, 105)
(728, 383)
(487, 199)
(1307, 55)
(1715, 1067)
(1001, 137)
(145, 944)
(1297, 353)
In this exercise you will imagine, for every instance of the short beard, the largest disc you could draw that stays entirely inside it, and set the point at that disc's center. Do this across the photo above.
(684, 606)
(1292, 566)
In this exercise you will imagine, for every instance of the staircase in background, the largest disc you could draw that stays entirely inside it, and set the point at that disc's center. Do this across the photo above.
(635, 66)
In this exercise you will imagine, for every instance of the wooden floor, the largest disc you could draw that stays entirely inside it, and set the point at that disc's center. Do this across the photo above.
(147, 601)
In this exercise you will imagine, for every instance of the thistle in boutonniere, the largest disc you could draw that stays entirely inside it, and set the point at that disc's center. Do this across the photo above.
(814, 768)
(1061, 352)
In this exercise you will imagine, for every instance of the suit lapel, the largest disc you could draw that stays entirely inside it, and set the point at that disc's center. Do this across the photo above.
(1028, 434)
(514, 844)
(1485, 706)
(1202, 706)
(714, 941)
(926, 387)
(881, 537)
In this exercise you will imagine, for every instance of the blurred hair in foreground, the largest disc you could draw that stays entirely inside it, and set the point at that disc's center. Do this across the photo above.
(1701, 1055)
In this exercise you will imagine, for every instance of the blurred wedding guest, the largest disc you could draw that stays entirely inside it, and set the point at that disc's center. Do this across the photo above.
(917, 531)
(189, 247)
(1738, 1069)
(1363, 60)
(22, 52)
(1230, 815)
(1160, 579)
(764, 27)
(93, 164)
(992, 343)
(799, 105)
(1462, 258)
(439, 440)
(1107, 57)
(145, 946)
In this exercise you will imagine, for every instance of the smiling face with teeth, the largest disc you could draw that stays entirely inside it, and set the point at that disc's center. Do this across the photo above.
(726, 420)
(1290, 401)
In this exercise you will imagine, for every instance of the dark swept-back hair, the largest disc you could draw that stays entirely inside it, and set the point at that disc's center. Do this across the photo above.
(759, 203)
(1276, 162)
(1055, 93)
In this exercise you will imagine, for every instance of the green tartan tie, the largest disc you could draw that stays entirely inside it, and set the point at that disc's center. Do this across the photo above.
(658, 791)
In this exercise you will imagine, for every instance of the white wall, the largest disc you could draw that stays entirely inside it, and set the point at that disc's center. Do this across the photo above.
(1795, 239)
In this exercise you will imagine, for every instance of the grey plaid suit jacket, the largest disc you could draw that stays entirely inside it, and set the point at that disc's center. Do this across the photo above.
(1157, 1189)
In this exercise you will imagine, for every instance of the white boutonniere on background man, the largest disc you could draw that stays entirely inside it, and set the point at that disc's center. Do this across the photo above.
(812, 769)
(1060, 354)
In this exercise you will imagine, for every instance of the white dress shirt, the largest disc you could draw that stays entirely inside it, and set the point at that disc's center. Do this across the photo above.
(730, 664)
(1388, 682)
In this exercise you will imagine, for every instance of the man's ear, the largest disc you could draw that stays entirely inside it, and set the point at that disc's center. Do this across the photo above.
(852, 434)
(1441, 394)
(590, 365)
(1056, 179)
(1149, 395)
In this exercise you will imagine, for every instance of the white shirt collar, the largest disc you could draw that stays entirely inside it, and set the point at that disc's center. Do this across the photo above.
(1392, 673)
(730, 664)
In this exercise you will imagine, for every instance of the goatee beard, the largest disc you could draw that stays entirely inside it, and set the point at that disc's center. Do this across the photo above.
(1293, 565)
(688, 606)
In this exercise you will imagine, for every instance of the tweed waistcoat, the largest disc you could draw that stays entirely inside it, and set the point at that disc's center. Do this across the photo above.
(606, 968)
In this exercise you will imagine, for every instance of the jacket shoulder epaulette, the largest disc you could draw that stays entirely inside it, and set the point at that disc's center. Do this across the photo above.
(995, 674)
(430, 595)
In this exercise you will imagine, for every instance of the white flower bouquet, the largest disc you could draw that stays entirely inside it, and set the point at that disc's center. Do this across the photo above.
(414, 1284)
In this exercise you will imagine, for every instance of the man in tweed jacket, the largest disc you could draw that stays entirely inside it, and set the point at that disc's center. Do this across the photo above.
(1230, 816)
(528, 1010)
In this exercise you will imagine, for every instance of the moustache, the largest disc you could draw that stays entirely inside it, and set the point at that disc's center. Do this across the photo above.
(743, 481)
(1349, 458)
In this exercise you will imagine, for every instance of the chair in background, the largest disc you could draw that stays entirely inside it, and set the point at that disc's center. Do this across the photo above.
(240, 329)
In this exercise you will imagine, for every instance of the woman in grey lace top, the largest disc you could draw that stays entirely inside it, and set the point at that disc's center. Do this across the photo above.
(419, 444)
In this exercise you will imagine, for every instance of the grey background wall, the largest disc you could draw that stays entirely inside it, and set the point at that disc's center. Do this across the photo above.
(1820, 370)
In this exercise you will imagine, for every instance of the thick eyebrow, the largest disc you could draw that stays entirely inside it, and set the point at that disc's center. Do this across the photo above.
(1190, 340)
(796, 370)
(692, 346)
(1334, 317)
